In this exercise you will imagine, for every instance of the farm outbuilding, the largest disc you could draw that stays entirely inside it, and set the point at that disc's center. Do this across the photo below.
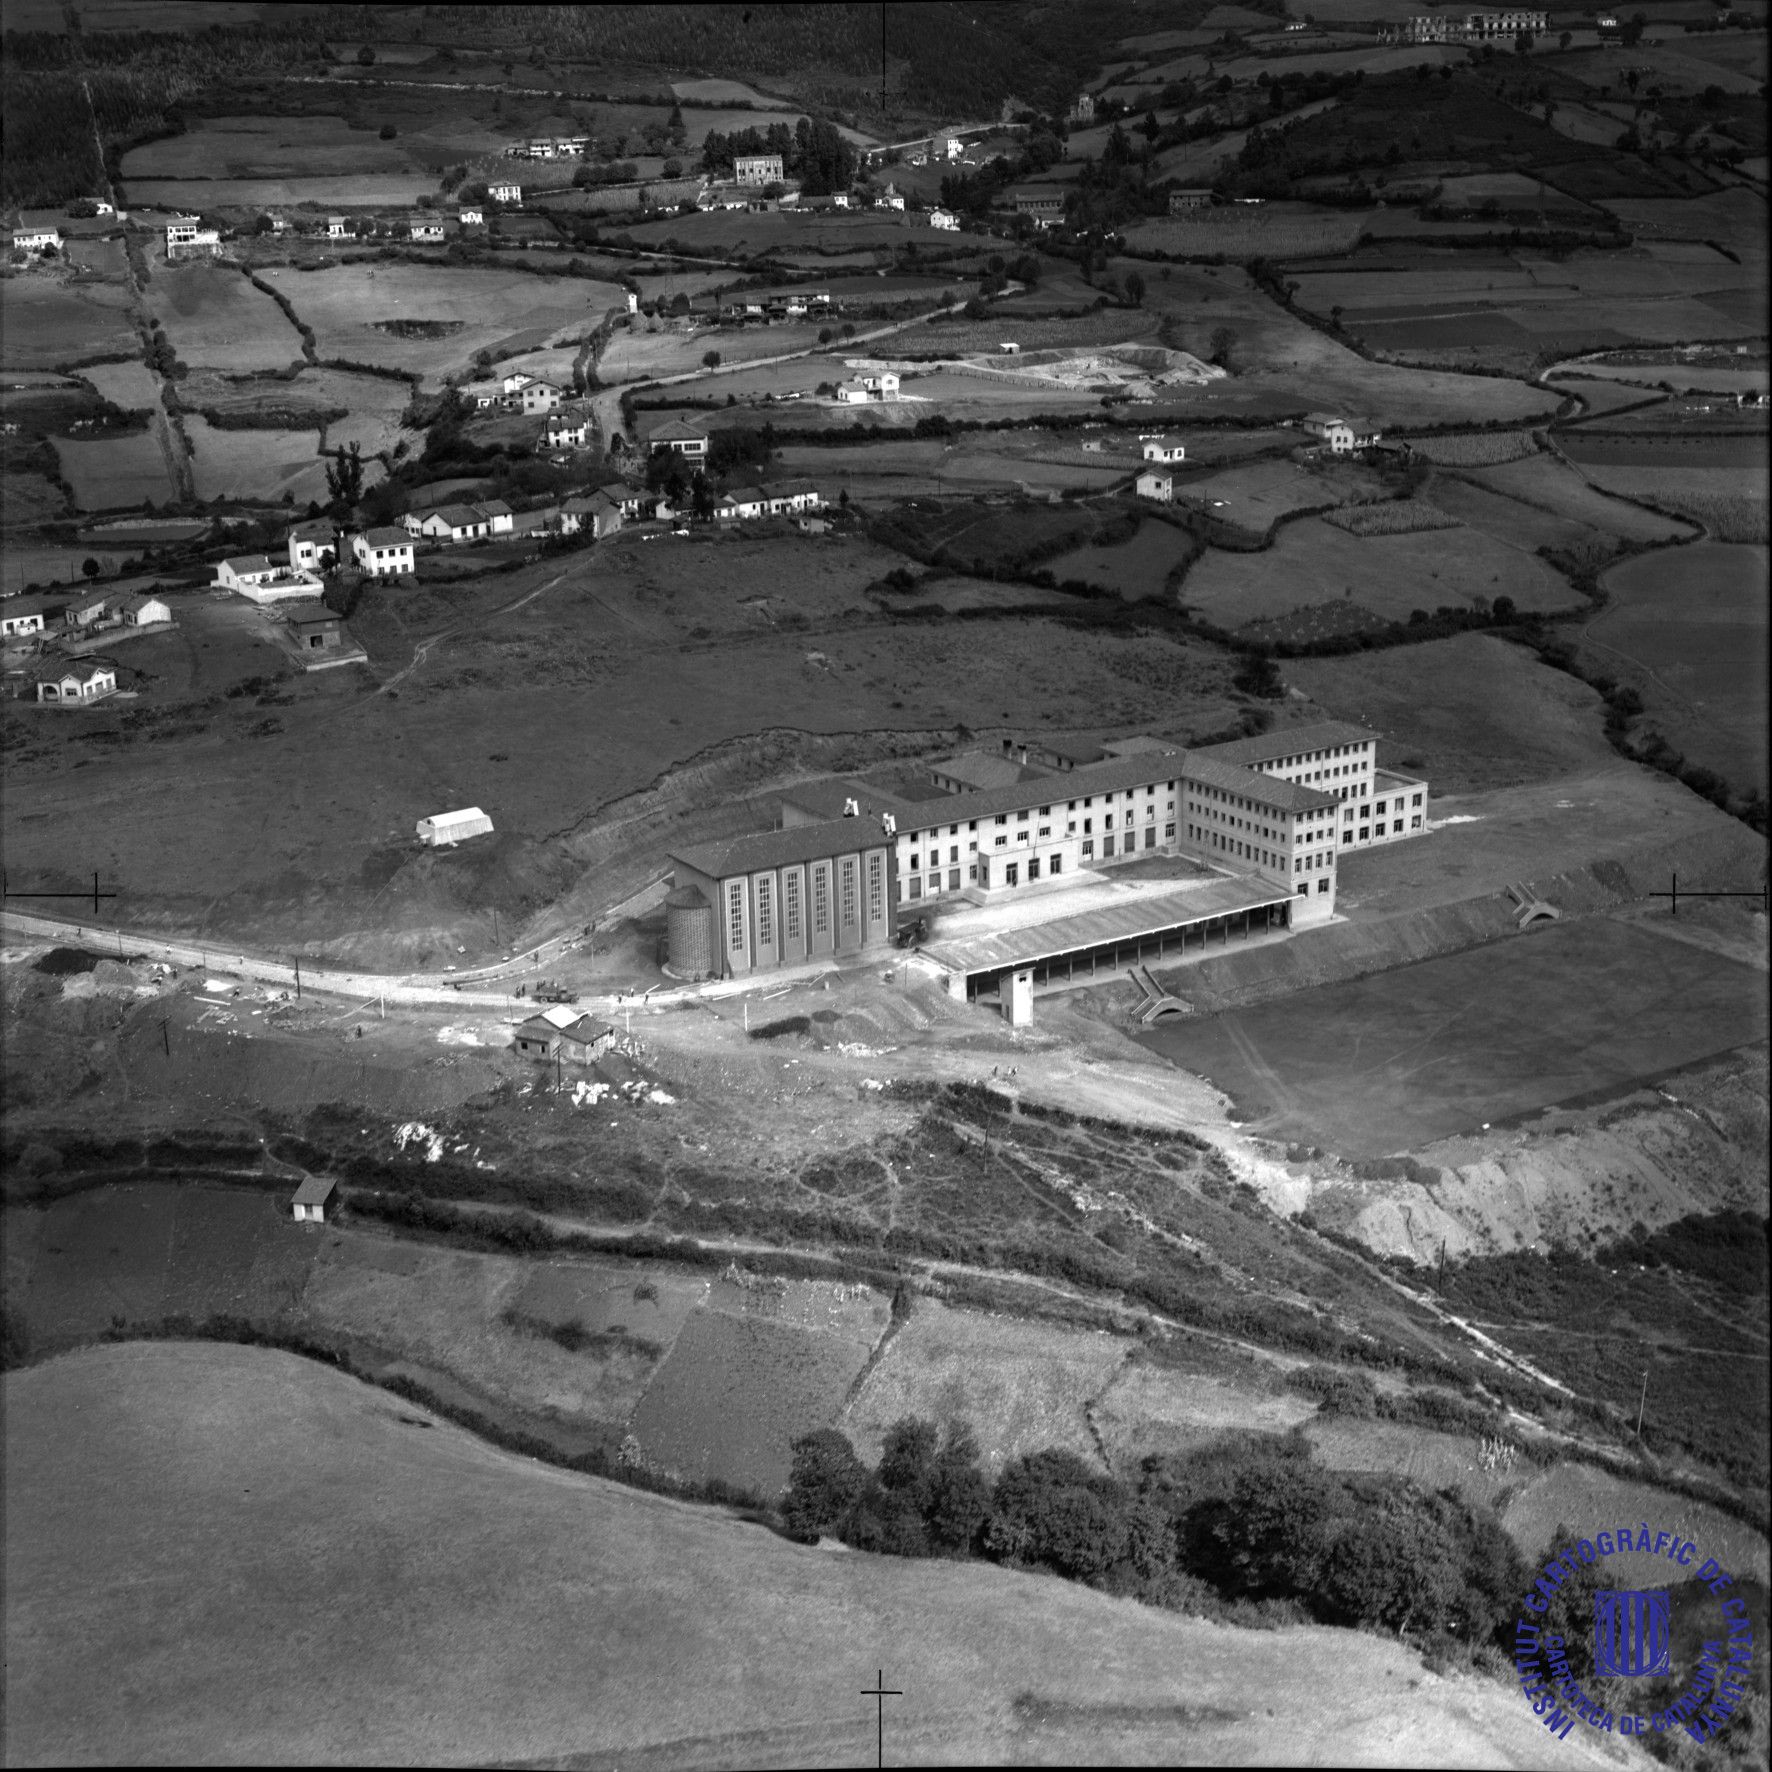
(1154, 483)
(444, 828)
(312, 1198)
(565, 1034)
(143, 612)
(314, 627)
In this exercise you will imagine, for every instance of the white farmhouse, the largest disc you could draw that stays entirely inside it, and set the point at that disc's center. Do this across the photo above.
(505, 193)
(1162, 449)
(383, 553)
(945, 219)
(1155, 484)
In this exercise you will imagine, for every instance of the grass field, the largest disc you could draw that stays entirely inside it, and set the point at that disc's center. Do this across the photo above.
(342, 304)
(1690, 626)
(1389, 575)
(261, 464)
(218, 320)
(1137, 568)
(389, 190)
(273, 148)
(1255, 496)
(115, 474)
(1397, 1061)
(133, 386)
(1510, 520)
(1560, 491)
(43, 322)
(541, 1615)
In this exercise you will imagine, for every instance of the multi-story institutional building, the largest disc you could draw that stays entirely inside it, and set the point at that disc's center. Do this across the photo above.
(1271, 814)
(757, 169)
(1475, 27)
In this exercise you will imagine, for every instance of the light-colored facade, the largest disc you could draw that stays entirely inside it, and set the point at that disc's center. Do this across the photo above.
(444, 828)
(310, 544)
(945, 219)
(1183, 202)
(1476, 27)
(383, 553)
(506, 193)
(264, 580)
(1162, 449)
(681, 438)
(78, 685)
(144, 612)
(551, 147)
(186, 235)
(36, 239)
(21, 617)
(1153, 483)
(757, 169)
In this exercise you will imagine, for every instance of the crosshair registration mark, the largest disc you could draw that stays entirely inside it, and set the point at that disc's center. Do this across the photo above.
(880, 1692)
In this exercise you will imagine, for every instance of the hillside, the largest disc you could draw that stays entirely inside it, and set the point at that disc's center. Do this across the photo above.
(402, 1591)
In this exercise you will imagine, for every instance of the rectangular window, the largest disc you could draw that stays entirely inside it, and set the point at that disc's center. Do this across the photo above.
(790, 903)
(1011, 874)
(1397, 826)
(1021, 818)
(1107, 823)
(913, 887)
(1168, 833)
(1021, 836)
(1033, 867)
(1415, 800)
(821, 899)
(1088, 848)
(849, 884)
(1323, 885)
(735, 917)
(1045, 830)
(954, 849)
(1415, 823)
(954, 878)
(877, 888)
(765, 912)
(915, 862)
(1379, 806)
(1304, 891)
(999, 842)
(1055, 865)
(1150, 838)
(1107, 847)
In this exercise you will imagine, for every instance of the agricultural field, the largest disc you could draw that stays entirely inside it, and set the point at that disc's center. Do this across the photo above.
(1475, 449)
(1735, 217)
(1137, 569)
(1303, 232)
(736, 1391)
(28, 499)
(261, 465)
(1637, 373)
(1254, 497)
(489, 309)
(1021, 1385)
(44, 322)
(1398, 1060)
(635, 353)
(216, 319)
(116, 473)
(1388, 575)
(1398, 516)
(386, 190)
(273, 148)
(133, 386)
(518, 1595)
(1562, 491)
(742, 234)
(1689, 627)
(24, 563)
(1510, 520)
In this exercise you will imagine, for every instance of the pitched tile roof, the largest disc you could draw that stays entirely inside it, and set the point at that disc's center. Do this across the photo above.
(249, 563)
(1288, 741)
(678, 430)
(1248, 784)
(775, 849)
(387, 538)
(1143, 770)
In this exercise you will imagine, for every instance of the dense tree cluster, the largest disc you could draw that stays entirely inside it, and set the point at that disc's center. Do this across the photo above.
(1250, 1519)
(813, 152)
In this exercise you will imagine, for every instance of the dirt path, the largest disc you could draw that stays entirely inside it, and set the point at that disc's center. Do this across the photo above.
(423, 649)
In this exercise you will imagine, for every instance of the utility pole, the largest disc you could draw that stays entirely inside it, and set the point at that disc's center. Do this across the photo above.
(1442, 1267)
(1641, 1403)
(166, 1039)
(298, 978)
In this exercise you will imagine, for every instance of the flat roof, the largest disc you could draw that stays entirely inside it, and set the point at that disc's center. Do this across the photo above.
(761, 850)
(1138, 917)
(1288, 741)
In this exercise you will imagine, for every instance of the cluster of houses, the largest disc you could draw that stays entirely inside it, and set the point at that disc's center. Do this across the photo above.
(515, 392)
(34, 233)
(863, 388)
(58, 627)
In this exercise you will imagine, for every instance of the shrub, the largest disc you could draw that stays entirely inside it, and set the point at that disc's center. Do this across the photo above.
(824, 1484)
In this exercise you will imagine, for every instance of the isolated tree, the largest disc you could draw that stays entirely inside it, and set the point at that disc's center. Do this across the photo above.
(823, 1484)
(1224, 340)
(388, 132)
(90, 567)
(1135, 288)
(701, 494)
(710, 359)
(366, 56)
(1335, 317)
(1564, 40)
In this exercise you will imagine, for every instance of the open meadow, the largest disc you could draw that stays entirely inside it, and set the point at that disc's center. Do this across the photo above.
(216, 319)
(274, 148)
(1392, 1062)
(1390, 576)
(349, 308)
(1720, 482)
(1688, 626)
(1137, 568)
(115, 473)
(261, 465)
(45, 322)
(535, 1609)
(344, 191)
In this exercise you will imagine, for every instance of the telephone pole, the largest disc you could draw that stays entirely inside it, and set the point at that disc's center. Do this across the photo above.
(1642, 1401)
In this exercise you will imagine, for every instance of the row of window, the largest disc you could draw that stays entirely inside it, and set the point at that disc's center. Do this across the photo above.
(1022, 817)
(1304, 891)
(849, 887)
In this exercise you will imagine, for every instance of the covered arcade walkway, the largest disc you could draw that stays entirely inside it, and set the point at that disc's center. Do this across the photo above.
(1097, 943)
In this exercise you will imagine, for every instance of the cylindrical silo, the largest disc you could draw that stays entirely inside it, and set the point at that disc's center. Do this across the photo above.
(689, 933)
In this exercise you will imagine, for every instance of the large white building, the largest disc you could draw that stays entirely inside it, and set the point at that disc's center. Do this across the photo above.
(757, 169)
(1475, 27)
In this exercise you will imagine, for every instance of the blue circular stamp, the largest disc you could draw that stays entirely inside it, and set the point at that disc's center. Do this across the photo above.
(1634, 1647)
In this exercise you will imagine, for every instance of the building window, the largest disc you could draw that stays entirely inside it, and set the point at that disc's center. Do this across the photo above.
(914, 860)
(1168, 833)
(735, 917)
(1045, 830)
(1365, 832)
(849, 905)
(1397, 826)
(1107, 847)
(877, 888)
(954, 878)
(913, 887)
(1415, 800)
(1011, 874)
(1055, 864)
(1322, 885)
(954, 850)
(1379, 806)
(1415, 824)
(1304, 891)
(821, 899)
(1000, 841)
(1033, 867)
(765, 912)
(790, 904)
(1088, 848)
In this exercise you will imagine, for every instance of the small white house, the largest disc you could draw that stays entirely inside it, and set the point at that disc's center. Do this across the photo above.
(184, 234)
(1163, 449)
(500, 519)
(1009, 349)
(310, 543)
(23, 617)
(383, 553)
(1154, 484)
(890, 198)
(76, 685)
(446, 828)
(539, 396)
(36, 239)
(516, 381)
(568, 430)
(335, 227)
(264, 580)
(144, 612)
(245, 570)
(427, 228)
(945, 219)
(471, 215)
(311, 1199)
(505, 193)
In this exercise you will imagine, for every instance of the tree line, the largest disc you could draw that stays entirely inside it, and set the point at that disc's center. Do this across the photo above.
(1249, 1522)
